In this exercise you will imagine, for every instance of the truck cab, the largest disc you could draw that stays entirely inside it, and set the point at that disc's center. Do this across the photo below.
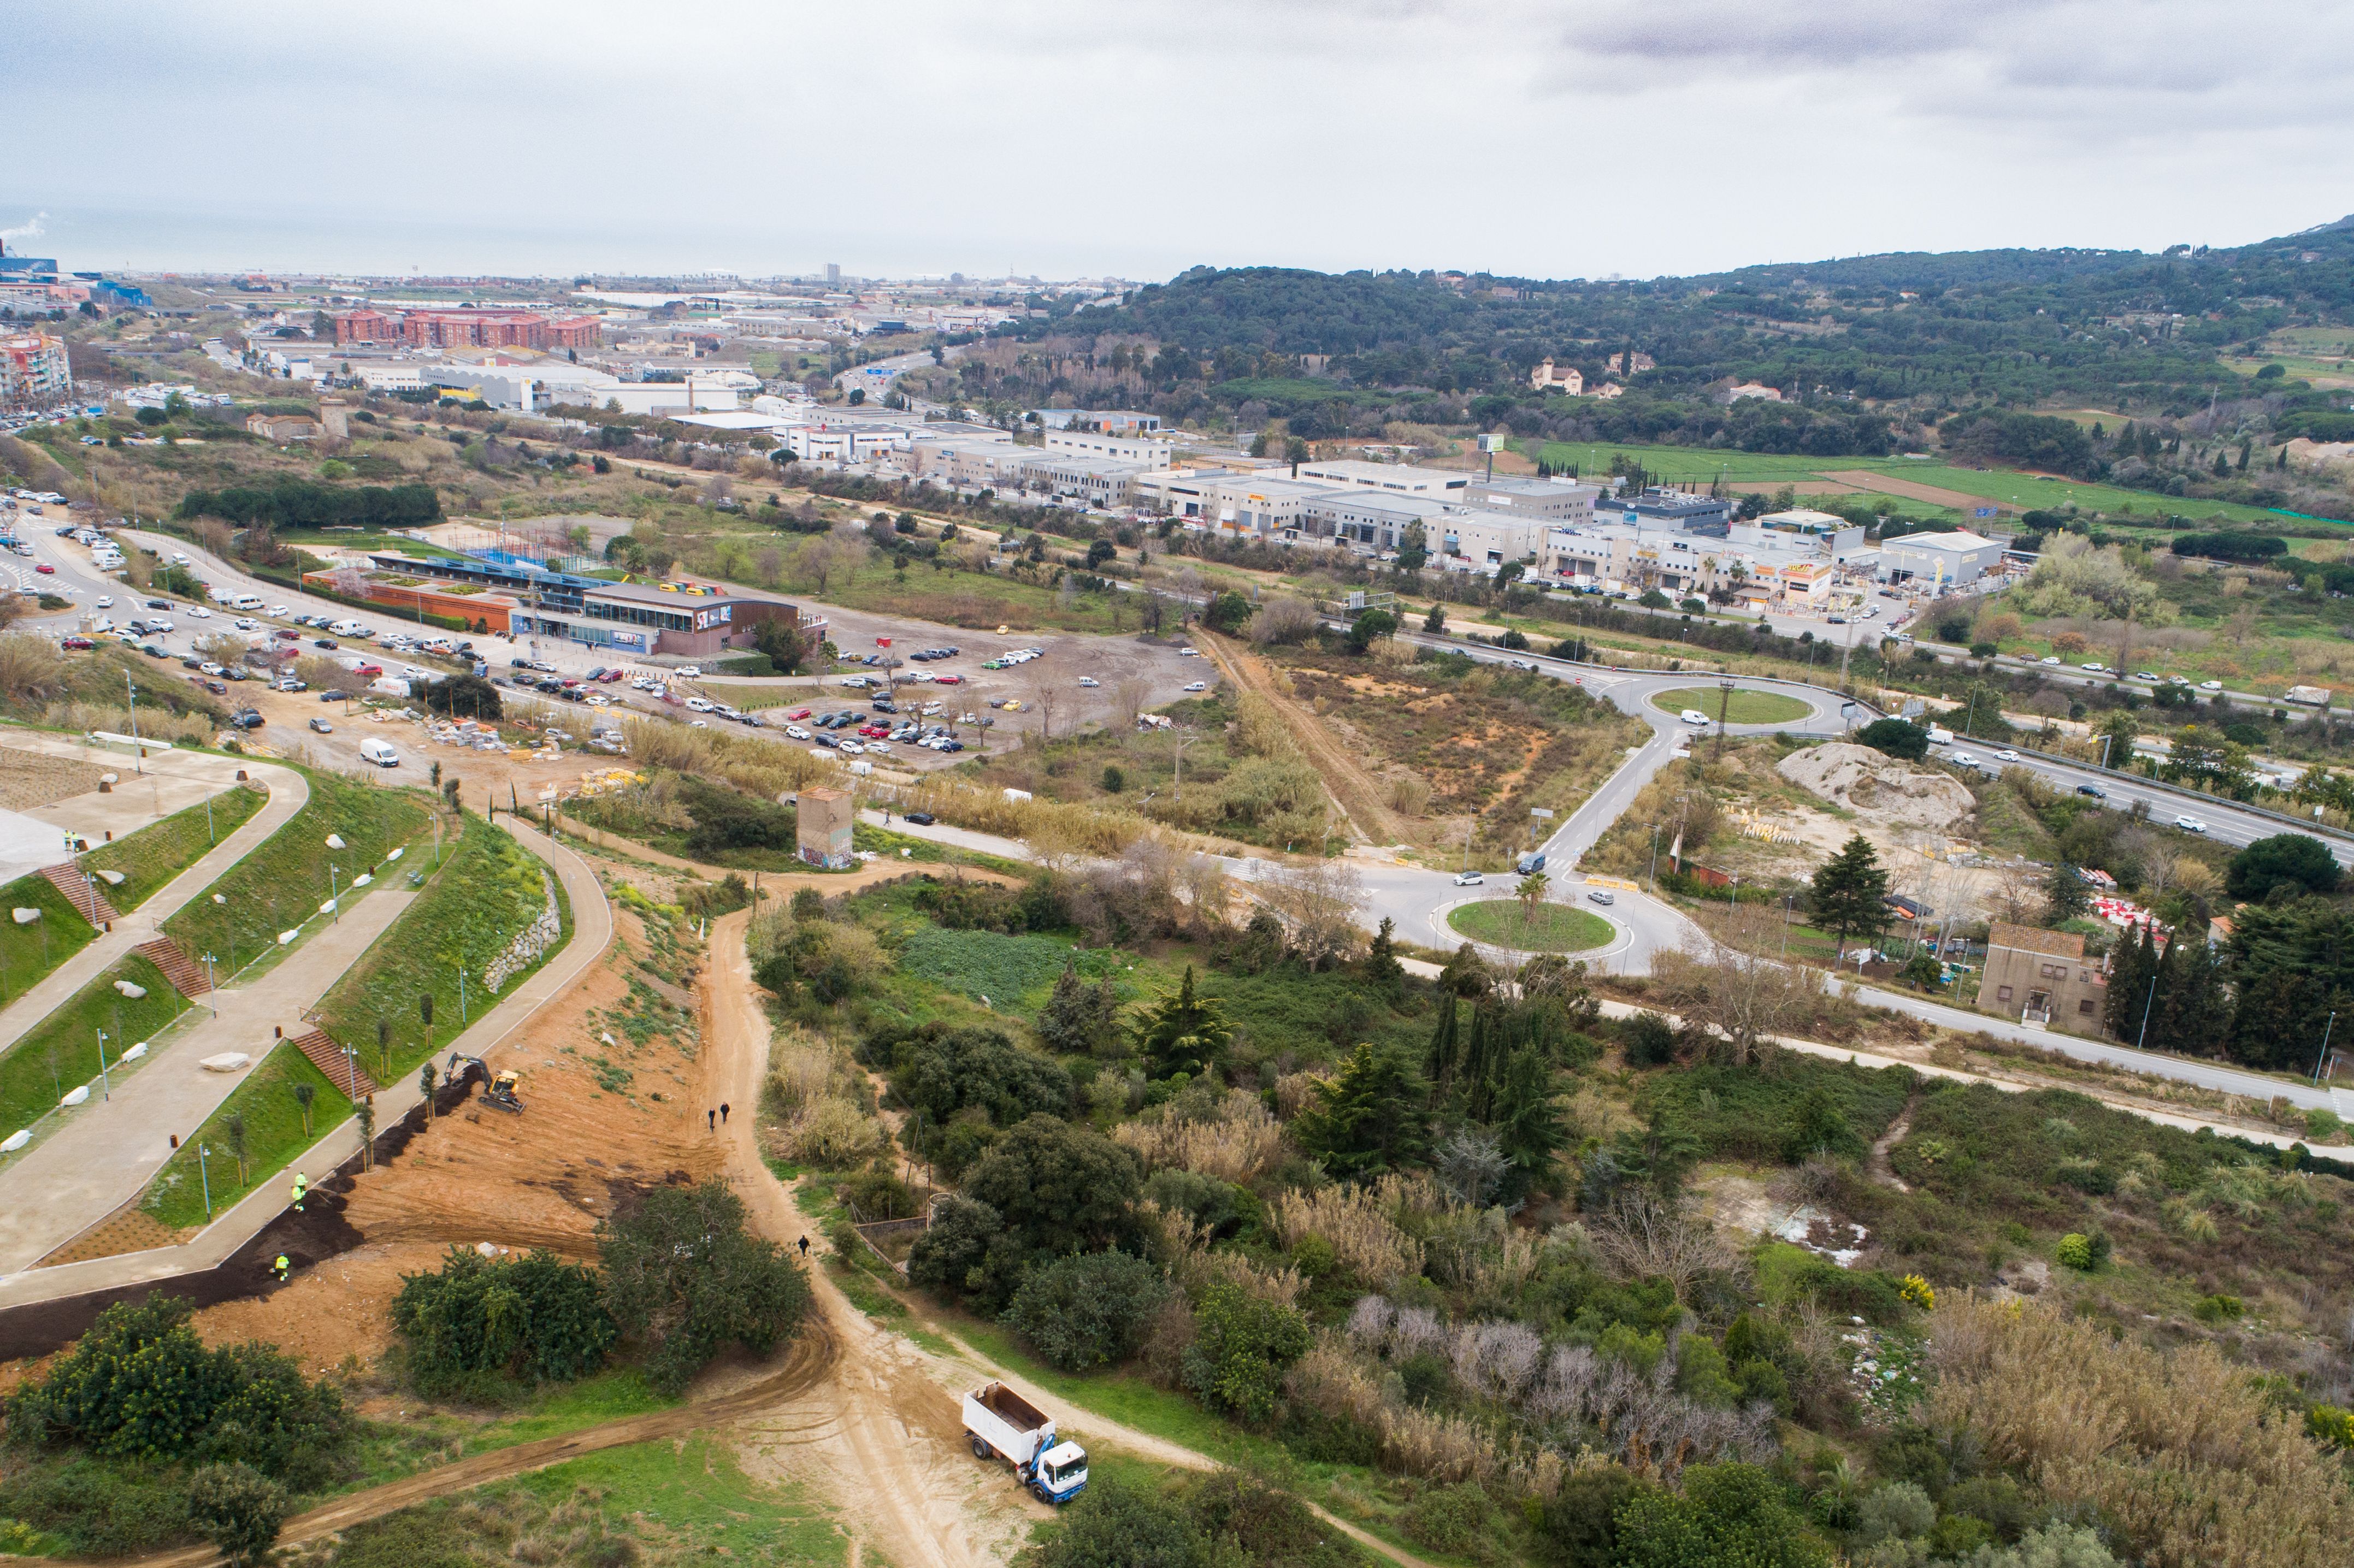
(1001, 1424)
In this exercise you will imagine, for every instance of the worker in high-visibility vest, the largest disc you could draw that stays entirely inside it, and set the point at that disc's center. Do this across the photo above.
(299, 1185)
(281, 1268)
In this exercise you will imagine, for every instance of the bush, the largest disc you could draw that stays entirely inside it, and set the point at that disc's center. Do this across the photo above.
(1577, 1527)
(1115, 1525)
(463, 696)
(2298, 859)
(940, 1071)
(1461, 1520)
(2075, 1251)
(238, 1509)
(948, 1256)
(682, 1274)
(1725, 1514)
(1241, 1347)
(1058, 1188)
(535, 1316)
(1086, 1311)
(1897, 738)
(141, 1384)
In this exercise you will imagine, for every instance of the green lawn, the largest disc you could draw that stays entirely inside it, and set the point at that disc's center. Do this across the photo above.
(1680, 464)
(692, 1496)
(288, 877)
(1746, 707)
(28, 952)
(978, 602)
(1557, 927)
(159, 851)
(274, 1135)
(1016, 973)
(61, 1050)
(488, 889)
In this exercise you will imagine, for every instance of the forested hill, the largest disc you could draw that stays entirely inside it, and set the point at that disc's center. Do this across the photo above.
(1938, 332)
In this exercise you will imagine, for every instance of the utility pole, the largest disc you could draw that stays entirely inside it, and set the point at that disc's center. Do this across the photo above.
(1180, 738)
(138, 752)
(2317, 1061)
(1724, 707)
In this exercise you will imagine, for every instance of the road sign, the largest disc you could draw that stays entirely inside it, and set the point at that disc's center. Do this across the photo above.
(1544, 811)
(1983, 512)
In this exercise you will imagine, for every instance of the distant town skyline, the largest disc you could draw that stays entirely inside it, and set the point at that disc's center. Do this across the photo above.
(919, 136)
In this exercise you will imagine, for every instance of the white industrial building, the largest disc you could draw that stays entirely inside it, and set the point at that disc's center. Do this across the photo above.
(1942, 559)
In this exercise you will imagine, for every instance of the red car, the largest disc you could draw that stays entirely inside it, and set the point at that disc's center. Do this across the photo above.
(799, 713)
(366, 671)
(46, 569)
(947, 680)
(77, 642)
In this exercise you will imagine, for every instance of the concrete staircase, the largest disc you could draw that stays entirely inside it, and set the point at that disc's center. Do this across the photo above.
(83, 895)
(344, 1072)
(188, 977)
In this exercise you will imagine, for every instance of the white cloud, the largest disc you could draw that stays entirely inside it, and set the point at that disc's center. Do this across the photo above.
(1632, 136)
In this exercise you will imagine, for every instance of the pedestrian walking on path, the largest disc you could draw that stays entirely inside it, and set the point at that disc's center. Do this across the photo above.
(282, 1266)
(712, 1117)
(299, 1185)
(804, 1246)
(722, 1113)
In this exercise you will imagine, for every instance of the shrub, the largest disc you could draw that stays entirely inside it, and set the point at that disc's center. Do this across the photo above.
(535, 1316)
(1726, 1513)
(1115, 1525)
(2297, 859)
(682, 1274)
(1241, 1346)
(2084, 1251)
(1577, 1526)
(1058, 1188)
(1895, 736)
(1900, 1510)
(141, 1384)
(947, 1256)
(1461, 1520)
(238, 1509)
(833, 1133)
(1086, 1311)
(941, 1071)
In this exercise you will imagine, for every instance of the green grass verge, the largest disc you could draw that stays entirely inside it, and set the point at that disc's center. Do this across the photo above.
(697, 1500)
(1746, 707)
(288, 877)
(28, 952)
(1555, 928)
(274, 1135)
(488, 889)
(61, 1050)
(159, 851)
(425, 1436)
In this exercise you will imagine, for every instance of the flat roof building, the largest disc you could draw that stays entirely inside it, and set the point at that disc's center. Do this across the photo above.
(1943, 559)
(1402, 479)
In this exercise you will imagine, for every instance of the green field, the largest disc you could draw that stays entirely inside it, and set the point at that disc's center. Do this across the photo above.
(159, 851)
(1556, 927)
(293, 870)
(1746, 707)
(61, 1050)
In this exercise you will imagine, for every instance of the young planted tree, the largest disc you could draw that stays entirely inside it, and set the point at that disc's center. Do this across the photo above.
(1530, 892)
(303, 1094)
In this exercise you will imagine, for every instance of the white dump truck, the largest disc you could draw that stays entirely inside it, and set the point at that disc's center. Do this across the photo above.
(1002, 1424)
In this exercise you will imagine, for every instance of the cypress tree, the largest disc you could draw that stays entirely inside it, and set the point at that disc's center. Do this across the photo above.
(2129, 984)
(1438, 1062)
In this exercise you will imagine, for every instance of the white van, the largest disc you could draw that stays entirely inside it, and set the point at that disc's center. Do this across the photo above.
(243, 601)
(345, 627)
(1693, 715)
(1940, 736)
(379, 752)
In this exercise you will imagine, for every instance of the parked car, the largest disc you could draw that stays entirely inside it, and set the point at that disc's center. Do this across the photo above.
(323, 726)
(921, 819)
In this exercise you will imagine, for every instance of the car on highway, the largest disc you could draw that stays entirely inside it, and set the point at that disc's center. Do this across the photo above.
(1602, 895)
(2211, 686)
(2094, 669)
(2190, 825)
(329, 643)
(1961, 759)
(2008, 755)
(2048, 659)
(2145, 675)
(1468, 879)
(2091, 792)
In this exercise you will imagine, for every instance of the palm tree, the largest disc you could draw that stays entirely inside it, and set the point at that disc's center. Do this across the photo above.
(303, 1094)
(1530, 893)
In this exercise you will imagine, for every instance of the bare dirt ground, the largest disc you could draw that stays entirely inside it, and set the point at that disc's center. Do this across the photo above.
(29, 778)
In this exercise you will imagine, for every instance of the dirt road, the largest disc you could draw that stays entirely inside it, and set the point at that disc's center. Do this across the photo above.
(1357, 792)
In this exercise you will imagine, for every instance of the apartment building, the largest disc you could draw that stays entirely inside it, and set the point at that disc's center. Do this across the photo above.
(2042, 977)
(1144, 452)
(35, 370)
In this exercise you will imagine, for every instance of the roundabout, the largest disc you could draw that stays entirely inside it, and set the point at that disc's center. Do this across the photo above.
(1748, 705)
(1551, 929)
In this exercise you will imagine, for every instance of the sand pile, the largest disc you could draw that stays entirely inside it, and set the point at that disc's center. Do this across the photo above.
(1883, 789)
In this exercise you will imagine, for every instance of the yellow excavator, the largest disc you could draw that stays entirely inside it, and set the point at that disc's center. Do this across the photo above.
(499, 1089)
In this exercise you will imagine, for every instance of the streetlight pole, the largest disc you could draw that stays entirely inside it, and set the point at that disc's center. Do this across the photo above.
(212, 984)
(105, 1086)
(205, 1174)
(138, 752)
(334, 896)
(1723, 708)
(2143, 1033)
(2317, 1061)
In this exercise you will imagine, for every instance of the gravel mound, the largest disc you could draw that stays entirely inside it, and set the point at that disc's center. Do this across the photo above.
(1879, 787)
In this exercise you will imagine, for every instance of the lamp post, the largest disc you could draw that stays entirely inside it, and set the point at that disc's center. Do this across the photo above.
(212, 984)
(334, 896)
(2317, 1061)
(138, 752)
(204, 1174)
(105, 1086)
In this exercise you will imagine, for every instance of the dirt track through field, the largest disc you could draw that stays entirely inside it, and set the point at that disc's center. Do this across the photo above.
(1357, 793)
(1935, 495)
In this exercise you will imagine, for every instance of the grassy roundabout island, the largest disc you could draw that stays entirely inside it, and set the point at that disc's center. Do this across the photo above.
(1553, 928)
(1747, 706)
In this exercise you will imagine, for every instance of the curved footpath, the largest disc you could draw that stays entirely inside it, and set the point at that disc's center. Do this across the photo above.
(592, 931)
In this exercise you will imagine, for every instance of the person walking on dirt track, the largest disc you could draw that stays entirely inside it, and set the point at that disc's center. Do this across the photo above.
(712, 1117)
(299, 1185)
(722, 1113)
(282, 1266)
(804, 1246)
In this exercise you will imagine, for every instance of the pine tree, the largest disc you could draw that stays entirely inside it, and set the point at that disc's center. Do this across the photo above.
(1529, 1125)
(1439, 1063)
(2064, 889)
(2129, 984)
(1848, 890)
(1382, 967)
(1480, 1059)
(1183, 1033)
(1368, 1118)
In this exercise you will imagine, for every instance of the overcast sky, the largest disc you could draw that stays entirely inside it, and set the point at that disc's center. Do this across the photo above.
(1580, 138)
